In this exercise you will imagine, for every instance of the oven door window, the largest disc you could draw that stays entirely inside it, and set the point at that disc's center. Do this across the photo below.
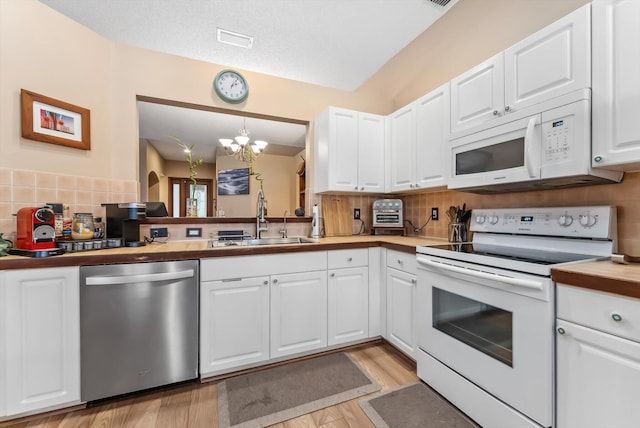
(484, 327)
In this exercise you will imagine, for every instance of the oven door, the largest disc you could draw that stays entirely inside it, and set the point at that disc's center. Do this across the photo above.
(507, 153)
(493, 327)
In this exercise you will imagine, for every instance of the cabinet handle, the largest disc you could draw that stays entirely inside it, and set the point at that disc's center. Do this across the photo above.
(332, 275)
(414, 281)
(349, 259)
(355, 188)
(266, 282)
(616, 317)
(275, 281)
(507, 108)
(417, 185)
(399, 261)
(597, 159)
(561, 330)
(495, 112)
(411, 186)
(362, 188)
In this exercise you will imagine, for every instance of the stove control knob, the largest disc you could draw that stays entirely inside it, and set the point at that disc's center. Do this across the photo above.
(480, 218)
(587, 220)
(493, 219)
(565, 220)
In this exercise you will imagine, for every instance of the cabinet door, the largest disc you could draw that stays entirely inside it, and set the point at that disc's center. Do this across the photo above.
(400, 328)
(234, 324)
(616, 84)
(403, 148)
(343, 150)
(371, 145)
(298, 313)
(42, 334)
(432, 117)
(477, 96)
(348, 305)
(554, 61)
(598, 379)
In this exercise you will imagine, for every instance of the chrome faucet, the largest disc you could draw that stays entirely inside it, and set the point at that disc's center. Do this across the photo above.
(261, 221)
(284, 221)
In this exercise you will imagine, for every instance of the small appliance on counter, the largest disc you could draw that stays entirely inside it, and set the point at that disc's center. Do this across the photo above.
(315, 222)
(387, 217)
(35, 235)
(123, 222)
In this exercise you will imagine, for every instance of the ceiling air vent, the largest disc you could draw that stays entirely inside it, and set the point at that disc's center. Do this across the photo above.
(440, 2)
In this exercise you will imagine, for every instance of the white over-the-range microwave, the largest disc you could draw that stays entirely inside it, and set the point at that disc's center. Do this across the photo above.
(544, 146)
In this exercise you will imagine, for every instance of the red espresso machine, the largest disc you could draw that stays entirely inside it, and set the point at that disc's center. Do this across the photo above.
(35, 235)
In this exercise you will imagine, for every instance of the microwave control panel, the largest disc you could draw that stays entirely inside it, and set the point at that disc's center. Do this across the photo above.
(557, 138)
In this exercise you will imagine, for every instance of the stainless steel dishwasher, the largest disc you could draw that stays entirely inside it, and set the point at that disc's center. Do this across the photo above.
(138, 326)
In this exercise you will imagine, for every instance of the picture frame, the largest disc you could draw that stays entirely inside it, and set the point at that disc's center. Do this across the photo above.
(233, 182)
(53, 121)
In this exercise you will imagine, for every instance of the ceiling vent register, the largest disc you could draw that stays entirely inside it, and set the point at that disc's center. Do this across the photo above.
(440, 2)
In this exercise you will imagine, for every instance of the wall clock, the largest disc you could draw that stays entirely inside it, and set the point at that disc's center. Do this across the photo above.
(231, 86)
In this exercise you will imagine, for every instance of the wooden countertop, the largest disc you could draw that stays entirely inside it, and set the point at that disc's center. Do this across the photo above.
(603, 275)
(183, 250)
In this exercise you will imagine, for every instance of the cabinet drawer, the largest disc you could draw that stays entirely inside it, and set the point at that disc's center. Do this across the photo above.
(339, 259)
(612, 314)
(261, 265)
(402, 261)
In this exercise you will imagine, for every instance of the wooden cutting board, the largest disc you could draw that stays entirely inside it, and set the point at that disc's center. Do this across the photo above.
(336, 213)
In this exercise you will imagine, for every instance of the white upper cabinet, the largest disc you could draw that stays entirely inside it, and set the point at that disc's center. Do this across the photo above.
(432, 117)
(477, 95)
(616, 84)
(418, 142)
(349, 151)
(552, 62)
(403, 152)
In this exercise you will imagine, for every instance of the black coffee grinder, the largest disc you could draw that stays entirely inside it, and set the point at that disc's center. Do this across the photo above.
(123, 221)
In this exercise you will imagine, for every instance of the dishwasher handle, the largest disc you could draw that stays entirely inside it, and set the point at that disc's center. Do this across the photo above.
(148, 277)
(520, 282)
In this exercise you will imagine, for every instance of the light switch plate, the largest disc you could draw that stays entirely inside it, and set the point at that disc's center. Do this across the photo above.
(194, 232)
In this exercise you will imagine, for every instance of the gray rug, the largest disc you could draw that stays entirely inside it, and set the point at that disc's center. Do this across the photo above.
(414, 406)
(280, 393)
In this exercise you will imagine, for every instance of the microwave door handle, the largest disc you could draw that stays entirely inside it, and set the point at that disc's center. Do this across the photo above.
(528, 144)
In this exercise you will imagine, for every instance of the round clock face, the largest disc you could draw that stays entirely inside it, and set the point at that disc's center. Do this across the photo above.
(231, 86)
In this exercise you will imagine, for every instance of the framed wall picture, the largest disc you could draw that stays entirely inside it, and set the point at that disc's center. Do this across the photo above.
(233, 182)
(57, 122)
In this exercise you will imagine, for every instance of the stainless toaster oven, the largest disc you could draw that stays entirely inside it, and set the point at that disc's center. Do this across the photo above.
(387, 213)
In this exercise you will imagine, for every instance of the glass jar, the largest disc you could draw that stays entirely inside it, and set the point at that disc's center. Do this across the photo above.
(82, 227)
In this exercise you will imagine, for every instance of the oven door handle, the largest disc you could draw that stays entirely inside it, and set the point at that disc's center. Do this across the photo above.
(527, 283)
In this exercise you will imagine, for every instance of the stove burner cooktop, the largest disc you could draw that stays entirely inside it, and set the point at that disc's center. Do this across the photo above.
(527, 255)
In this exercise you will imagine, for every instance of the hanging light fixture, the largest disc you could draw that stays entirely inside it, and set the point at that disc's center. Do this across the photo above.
(241, 148)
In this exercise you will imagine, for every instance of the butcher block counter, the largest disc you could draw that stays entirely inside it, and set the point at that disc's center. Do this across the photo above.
(183, 250)
(603, 275)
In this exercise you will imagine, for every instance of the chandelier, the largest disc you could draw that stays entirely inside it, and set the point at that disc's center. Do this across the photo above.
(241, 148)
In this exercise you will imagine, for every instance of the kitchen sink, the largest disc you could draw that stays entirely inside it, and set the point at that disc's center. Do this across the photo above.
(261, 241)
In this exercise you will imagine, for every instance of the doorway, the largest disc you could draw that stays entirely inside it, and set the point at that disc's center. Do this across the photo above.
(181, 188)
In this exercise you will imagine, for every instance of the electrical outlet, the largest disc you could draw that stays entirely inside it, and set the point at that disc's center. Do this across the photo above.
(434, 213)
(159, 232)
(356, 213)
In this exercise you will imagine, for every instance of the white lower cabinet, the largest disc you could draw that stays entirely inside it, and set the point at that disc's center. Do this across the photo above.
(235, 323)
(298, 313)
(597, 359)
(40, 341)
(401, 287)
(257, 308)
(348, 304)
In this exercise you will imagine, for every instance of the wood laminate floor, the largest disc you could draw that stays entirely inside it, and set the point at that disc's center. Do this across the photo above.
(195, 405)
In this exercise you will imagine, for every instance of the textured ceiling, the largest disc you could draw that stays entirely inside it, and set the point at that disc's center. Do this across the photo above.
(333, 43)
